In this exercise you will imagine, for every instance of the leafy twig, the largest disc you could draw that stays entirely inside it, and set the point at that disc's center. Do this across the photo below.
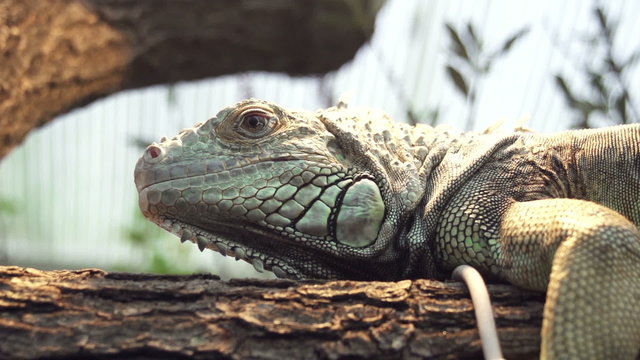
(474, 62)
(611, 94)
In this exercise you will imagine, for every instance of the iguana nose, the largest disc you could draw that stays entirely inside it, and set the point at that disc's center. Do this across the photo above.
(146, 172)
(154, 153)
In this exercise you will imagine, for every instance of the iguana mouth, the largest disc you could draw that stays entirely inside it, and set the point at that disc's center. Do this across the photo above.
(222, 244)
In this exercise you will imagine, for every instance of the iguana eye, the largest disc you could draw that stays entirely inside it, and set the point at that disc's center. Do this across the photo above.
(255, 123)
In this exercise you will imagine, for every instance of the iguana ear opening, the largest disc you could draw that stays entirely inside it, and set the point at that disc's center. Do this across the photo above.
(333, 145)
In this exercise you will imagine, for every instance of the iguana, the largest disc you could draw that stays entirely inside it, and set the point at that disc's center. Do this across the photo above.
(344, 193)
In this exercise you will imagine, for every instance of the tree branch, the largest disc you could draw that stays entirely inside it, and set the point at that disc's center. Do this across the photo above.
(59, 54)
(94, 314)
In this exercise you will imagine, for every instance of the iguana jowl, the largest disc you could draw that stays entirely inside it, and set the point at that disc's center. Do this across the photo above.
(342, 193)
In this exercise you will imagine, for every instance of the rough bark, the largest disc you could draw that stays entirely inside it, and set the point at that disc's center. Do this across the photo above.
(59, 54)
(94, 314)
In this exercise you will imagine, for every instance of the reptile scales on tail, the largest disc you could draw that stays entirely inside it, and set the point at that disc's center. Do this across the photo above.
(349, 194)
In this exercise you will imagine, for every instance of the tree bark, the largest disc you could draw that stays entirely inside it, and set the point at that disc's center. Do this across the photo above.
(95, 314)
(58, 54)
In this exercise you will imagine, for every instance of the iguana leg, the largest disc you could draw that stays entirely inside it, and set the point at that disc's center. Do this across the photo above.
(591, 256)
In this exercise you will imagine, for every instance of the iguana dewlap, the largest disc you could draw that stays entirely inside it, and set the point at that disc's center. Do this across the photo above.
(342, 193)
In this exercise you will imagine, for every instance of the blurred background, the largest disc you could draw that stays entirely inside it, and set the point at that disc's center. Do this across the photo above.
(67, 198)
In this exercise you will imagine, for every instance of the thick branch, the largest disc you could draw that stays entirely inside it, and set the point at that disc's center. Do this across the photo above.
(94, 314)
(58, 54)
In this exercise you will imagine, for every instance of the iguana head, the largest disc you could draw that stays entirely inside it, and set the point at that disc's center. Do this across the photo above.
(303, 194)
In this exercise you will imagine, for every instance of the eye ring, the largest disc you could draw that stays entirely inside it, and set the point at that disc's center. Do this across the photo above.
(255, 123)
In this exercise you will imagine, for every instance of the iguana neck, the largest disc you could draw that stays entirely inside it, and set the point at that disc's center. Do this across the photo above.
(447, 160)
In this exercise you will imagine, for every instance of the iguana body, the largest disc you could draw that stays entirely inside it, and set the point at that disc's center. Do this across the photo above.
(349, 194)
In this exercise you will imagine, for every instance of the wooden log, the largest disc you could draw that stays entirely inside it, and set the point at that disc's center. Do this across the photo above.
(96, 314)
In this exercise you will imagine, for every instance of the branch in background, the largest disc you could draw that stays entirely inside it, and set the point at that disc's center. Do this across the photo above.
(609, 93)
(61, 54)
(471, 62)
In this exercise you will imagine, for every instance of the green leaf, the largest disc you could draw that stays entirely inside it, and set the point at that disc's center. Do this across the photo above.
(139, 143)
(458, 80)
(7, 207)
(607, 27)
(597, 81)
(508, 44)
(433, 116)
(632, 60)
(413, 118)
(137, 237)
(621, 108)
(587, 107)
(160, 265)
(457, 46)
(566, 91)
(613, 66)
(473, 35)
(602, 19)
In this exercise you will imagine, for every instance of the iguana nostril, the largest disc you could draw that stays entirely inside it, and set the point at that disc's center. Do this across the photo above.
(153, 153)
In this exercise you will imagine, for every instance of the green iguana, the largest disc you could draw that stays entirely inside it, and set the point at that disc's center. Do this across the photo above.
(348, 194)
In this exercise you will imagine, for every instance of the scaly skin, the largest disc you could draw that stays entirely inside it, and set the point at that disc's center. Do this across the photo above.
(349, 194)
